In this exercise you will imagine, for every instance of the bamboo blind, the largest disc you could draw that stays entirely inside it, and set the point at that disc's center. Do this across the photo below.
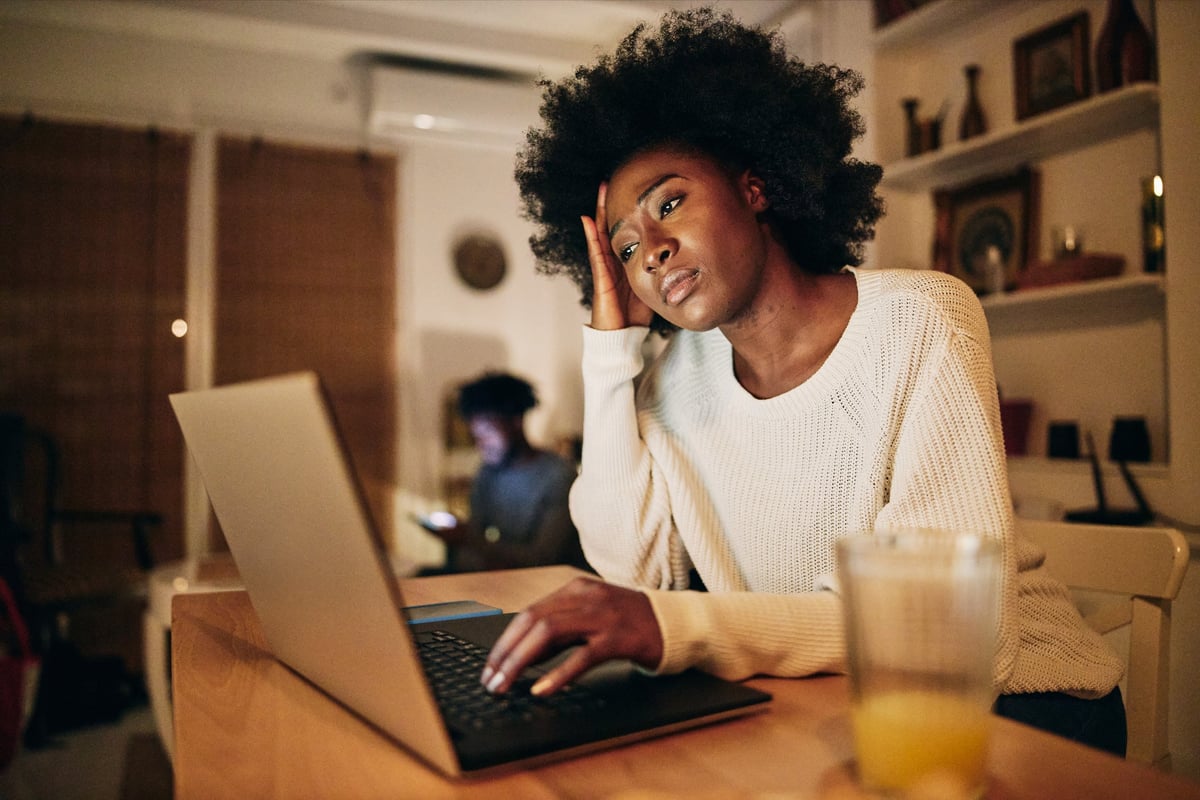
(306, 280)
(92, 259)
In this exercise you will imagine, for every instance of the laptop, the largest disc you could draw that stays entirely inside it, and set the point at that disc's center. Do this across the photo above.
(322, 584)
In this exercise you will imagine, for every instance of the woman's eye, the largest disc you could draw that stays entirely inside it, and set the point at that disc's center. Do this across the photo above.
(626, 252)
(669, 206)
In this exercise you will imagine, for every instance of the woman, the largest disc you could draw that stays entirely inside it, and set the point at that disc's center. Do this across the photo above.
(801, 399)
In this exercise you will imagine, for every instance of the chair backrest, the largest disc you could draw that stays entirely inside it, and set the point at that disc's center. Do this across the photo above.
(1146, 565)
(12, 470)
(29, 465)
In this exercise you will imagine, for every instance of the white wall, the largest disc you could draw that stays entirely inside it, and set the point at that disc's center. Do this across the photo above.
(529, 324)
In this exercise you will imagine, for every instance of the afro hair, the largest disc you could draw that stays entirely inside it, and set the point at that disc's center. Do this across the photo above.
(703, 81)
(496, 393)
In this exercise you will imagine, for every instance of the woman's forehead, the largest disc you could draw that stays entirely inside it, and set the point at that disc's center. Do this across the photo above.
(638, 176)
(648, 158)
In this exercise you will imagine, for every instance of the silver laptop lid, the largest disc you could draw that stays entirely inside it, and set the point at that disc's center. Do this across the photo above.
(315, 567)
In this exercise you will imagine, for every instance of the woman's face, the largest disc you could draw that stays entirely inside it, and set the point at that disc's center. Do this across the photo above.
(687, 232)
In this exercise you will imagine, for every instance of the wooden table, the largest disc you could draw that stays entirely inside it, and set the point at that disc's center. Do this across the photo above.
(248, 727)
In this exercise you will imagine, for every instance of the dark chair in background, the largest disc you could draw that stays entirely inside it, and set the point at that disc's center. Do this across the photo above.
(52, 584)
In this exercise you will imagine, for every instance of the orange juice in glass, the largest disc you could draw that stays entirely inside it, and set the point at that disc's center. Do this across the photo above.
(922, 610)
(904, 737)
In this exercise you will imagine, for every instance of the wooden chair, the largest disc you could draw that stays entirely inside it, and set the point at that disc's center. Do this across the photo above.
(51, 581)
(1145, 566)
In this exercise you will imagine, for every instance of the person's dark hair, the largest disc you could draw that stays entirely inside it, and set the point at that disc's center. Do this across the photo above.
(496, 393)
(703, 81)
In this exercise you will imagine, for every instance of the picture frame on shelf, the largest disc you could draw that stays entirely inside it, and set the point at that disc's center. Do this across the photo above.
(1051, 66)
(985, 232)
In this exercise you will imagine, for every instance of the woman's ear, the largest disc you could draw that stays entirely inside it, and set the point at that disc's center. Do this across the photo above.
(756, 192)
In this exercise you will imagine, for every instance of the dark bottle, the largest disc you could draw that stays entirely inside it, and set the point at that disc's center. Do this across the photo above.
(1124, 50)
(912, 129)
(973, 123)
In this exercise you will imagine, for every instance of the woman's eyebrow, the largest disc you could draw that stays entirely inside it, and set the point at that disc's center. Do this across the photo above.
(616, 226)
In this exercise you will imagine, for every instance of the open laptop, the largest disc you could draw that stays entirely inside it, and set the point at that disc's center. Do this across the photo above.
(322, 585)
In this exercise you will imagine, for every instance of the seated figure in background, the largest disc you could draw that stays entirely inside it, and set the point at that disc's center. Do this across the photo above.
(519, 515)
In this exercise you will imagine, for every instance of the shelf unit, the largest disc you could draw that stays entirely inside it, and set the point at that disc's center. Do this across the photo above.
(1086, 350)
(1124, 288)
(1141, 295)
(1091, 121)
(932, 18)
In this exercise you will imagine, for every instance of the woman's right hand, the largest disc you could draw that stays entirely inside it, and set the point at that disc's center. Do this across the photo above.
(605, 621)
(614, 305)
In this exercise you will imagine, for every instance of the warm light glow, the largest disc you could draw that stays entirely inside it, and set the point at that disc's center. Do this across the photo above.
(1158, 186)
(424, 121)
(180, 328)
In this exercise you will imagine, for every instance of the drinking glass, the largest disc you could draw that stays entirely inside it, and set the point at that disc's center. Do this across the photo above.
(922, 612)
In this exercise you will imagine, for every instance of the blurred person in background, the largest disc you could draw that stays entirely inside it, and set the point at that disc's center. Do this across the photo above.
(519, 515)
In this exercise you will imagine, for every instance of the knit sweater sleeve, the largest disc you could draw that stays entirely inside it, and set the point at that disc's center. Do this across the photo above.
(949, 467)
(736, 635)
(949, 473)
(622, 512)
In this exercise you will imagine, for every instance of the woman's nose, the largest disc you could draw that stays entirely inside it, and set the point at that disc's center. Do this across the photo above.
(658, 251)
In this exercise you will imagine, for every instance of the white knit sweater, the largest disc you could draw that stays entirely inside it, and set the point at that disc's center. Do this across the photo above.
(898, 428)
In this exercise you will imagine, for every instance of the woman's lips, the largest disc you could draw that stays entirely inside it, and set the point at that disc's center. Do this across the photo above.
(677, 285)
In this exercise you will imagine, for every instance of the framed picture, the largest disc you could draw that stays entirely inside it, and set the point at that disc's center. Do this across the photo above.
(1051, 66)
(986, 232)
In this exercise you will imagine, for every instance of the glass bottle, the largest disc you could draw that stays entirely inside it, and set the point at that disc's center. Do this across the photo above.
(1124, 49)
(973, 122)
(912, 130)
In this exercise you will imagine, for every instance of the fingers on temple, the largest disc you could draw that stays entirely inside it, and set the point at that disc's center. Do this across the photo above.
(601, 211)
(596, 231)
(591, 232)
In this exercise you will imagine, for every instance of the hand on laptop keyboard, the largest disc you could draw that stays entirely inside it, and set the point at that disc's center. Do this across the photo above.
(606, 621)
(452, 666)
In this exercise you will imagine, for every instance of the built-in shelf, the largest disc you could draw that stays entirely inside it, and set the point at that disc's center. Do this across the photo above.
(1121, 288)
(1100, 299)
(931, 20)
(1082, 466)
(1087, 122)
(1085, 350)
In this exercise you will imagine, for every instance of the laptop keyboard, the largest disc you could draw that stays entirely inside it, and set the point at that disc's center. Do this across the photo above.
(453, 666)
